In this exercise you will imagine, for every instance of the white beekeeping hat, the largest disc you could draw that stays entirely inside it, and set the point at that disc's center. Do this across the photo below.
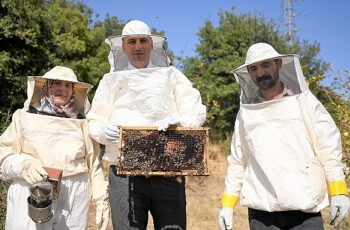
(290, 73)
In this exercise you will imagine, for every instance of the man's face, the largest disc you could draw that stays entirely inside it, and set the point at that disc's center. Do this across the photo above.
(60, 92)
(138, 50)
(265, 73)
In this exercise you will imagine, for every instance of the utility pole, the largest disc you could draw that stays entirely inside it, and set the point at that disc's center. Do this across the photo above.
(289, 14)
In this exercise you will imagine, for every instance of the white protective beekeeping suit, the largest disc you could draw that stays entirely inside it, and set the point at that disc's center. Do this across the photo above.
(54, 142)
(142, 97)
(285, 152)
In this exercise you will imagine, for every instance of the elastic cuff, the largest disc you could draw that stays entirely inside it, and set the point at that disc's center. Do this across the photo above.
(337, 188)
(229, 200)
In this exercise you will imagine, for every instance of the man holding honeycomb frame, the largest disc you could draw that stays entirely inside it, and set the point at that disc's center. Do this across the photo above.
(143, 90)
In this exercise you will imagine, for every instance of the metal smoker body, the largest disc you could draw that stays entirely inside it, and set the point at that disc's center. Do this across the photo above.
(42, 195)
(40, 201)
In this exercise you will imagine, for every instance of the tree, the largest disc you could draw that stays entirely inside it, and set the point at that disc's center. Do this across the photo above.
(223, 48)
(75, 42)
(338, 97)
(37, 35)
(22, 48)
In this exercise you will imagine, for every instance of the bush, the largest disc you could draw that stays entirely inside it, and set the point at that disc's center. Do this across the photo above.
(3, 195)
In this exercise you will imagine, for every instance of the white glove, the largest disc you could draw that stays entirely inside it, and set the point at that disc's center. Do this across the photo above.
(110, 132)
(164, 124)
(102, 215)
(339, 209)
(226, 218)
(32, 171)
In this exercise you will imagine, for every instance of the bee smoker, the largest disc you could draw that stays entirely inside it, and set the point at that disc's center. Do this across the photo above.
(40, 201)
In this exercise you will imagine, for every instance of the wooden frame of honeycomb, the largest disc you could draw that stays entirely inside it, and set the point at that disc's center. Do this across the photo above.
(143, 150)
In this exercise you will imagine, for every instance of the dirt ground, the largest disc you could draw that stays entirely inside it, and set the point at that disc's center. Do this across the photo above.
(203, 200)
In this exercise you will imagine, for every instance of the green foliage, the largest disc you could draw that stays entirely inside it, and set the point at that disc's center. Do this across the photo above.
(22, 52)
(75, 43)
(3, 195)
(37, 35)
(340, 107)
(4, 122)
(223, 48)
(336, 98)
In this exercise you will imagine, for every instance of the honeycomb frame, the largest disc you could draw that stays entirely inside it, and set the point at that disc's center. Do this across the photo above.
(145, 151)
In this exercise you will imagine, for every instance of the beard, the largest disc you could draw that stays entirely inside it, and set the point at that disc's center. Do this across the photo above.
(266, 81)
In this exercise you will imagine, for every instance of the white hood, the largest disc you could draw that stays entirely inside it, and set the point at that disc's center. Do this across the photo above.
(118, 60)
(290, 73)
(36, 84)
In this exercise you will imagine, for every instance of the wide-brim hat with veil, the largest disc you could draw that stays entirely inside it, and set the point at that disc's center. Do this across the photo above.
(119, 60)
(290, 73)
(36, 88)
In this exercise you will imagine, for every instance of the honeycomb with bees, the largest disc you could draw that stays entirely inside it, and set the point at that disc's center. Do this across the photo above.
(177, 151)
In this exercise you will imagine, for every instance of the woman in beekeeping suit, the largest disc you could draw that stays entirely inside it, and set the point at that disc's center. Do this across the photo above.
(51, 131)
(286, 149)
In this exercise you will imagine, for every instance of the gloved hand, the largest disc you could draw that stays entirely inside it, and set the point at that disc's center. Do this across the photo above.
(32, 171)
(164, 124)
(102, 215)
(226, 218)
(110, 132)
(339, 209)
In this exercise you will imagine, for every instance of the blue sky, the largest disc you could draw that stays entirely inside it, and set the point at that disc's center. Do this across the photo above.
(326, 22)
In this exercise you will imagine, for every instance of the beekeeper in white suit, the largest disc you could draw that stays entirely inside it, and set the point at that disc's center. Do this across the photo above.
(143, 90)
(51, 130)
(286, 149)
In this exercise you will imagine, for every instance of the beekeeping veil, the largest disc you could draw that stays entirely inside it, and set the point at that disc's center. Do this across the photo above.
(290, 73)
(119, 60)
(36, 88)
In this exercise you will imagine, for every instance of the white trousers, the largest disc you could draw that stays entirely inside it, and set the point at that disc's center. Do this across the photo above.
(69, 212)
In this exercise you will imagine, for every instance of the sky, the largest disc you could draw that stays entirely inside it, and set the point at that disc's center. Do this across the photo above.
(325, 22)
